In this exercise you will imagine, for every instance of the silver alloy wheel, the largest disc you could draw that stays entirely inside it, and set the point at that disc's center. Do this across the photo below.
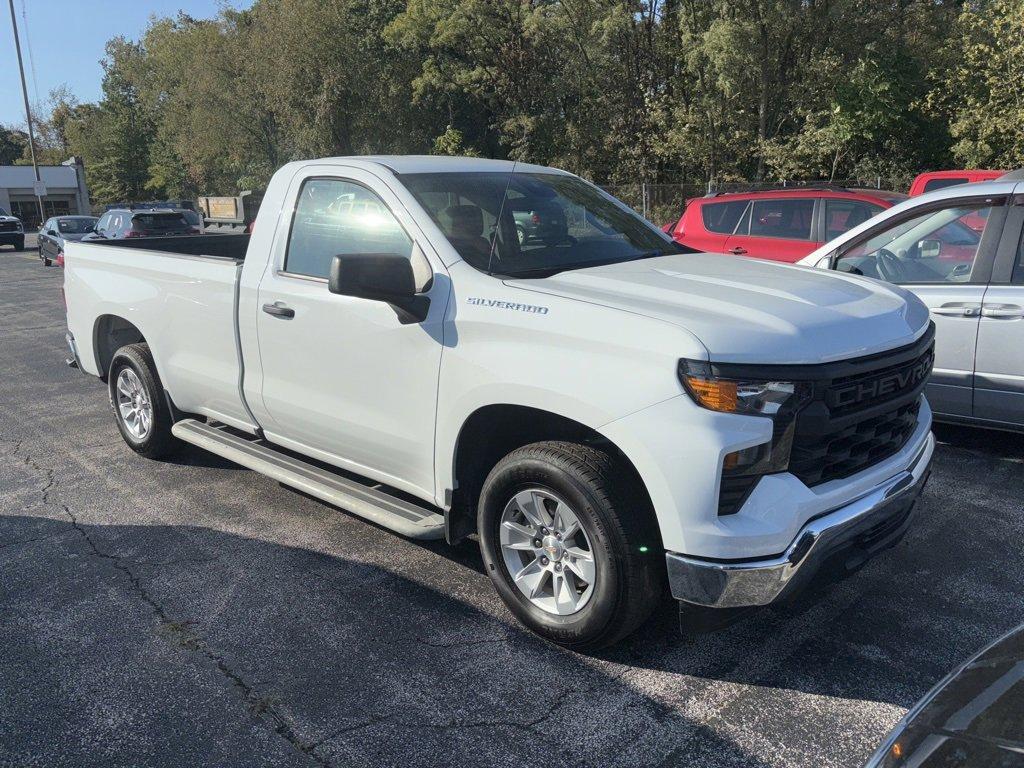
(133, 404)
(547, 552)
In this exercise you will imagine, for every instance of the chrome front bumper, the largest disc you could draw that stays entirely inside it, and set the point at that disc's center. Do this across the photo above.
(850, 535)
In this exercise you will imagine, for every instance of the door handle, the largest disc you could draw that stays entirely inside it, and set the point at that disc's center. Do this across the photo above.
(1002, 311)
(737, 251)
(957, 309)
(278, 309)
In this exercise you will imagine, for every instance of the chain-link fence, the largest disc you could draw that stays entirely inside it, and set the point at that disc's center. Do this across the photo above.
(662, 203)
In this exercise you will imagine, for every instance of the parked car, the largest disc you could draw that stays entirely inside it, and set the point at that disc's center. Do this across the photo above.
(607, 412)
(12, 232)
(972, 281)
(119, 223)
(543, 223)
(56, 231)
(935, 180)
(778, 224)
(974, 717)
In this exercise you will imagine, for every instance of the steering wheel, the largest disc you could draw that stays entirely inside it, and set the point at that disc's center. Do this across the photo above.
(889, 267)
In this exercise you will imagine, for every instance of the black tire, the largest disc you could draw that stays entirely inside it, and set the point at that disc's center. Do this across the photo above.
(46, 262)
(19, 245)
(158, 442)
(616, 517)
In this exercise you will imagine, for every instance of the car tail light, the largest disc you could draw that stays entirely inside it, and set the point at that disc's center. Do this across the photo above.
(134, 233)
(59, 261)
(535, 218)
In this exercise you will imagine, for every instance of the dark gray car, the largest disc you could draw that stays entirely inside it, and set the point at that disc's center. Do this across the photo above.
(973, 718)
(58, 230)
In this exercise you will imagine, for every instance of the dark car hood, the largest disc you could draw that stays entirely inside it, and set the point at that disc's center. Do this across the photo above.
(975, 717)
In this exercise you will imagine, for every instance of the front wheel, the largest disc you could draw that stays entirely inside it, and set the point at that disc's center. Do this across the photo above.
(143, 415)
(569, 544)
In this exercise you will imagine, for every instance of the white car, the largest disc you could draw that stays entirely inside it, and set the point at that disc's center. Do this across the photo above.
(603, 409)
(960, 250)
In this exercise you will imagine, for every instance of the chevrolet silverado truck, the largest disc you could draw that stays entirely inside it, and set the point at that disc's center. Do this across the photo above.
(609, 413)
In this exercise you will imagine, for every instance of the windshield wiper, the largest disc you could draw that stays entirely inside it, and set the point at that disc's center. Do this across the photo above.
(549, 271)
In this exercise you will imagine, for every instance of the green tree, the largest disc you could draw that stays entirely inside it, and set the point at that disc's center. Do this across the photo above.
(983, 91)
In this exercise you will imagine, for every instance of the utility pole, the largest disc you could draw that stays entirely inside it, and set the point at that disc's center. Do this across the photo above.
(28, 115)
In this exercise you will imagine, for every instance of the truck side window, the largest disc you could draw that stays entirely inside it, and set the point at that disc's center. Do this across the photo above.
(333, 217)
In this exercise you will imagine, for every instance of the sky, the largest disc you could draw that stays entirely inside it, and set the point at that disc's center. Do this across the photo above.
(66, 39)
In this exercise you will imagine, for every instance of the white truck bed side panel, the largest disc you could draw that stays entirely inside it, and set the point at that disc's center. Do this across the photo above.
(182, 305)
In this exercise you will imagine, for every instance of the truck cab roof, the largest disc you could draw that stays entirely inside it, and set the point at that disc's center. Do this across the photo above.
(402, 164)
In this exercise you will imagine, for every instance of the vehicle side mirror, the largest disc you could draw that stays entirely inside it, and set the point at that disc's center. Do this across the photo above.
(387, 277)
(51, 233)
(929, 249)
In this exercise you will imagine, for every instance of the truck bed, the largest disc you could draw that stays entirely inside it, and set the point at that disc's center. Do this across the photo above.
(224, 246)
(180, 294)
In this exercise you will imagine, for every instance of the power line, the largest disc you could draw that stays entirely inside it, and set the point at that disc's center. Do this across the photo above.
(28, 47)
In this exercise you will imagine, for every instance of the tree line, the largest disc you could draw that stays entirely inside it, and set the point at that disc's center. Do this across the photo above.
(618, 91)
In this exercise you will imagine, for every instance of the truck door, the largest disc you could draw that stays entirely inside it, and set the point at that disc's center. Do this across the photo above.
(343, 379)
(999, 367)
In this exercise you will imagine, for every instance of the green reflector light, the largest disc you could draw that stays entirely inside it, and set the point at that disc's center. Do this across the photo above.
(643, 549)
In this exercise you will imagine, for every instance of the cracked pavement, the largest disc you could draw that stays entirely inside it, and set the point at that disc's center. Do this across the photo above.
(190, 612)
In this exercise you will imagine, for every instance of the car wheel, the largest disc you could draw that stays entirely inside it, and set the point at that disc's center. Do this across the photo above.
(142, 413)
(568, 541)
(521, 235)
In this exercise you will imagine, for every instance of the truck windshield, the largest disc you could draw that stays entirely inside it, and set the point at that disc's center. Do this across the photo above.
(548, 223)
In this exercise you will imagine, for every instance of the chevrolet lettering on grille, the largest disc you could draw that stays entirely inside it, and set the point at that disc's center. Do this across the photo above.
(883, 386)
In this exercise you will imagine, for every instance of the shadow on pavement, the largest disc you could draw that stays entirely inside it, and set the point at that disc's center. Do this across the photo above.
(177, 645)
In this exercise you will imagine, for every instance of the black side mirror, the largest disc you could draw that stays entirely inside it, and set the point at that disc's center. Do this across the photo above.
(386, 277)
(51, 233)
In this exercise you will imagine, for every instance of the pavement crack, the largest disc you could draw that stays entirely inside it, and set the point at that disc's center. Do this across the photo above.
(181, 633)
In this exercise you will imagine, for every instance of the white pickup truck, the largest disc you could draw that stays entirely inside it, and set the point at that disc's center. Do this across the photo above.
(606, 411)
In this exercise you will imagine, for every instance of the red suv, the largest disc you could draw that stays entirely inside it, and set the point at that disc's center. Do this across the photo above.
(932, 180)
(779, 224)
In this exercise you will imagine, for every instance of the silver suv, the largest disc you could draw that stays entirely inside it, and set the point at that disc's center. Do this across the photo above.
(960, 250)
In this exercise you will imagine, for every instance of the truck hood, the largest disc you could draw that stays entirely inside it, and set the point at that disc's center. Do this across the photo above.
(750, 311)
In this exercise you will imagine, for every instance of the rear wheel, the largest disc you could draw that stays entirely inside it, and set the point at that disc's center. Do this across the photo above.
(143, 416)
(567, 540)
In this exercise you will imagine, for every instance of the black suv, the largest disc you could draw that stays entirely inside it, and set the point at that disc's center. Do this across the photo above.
(11, 231)
(118, 223)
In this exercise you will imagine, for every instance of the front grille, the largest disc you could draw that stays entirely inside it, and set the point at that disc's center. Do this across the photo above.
(8, 226)
(862, 415)
(857, 413)
(844, 452)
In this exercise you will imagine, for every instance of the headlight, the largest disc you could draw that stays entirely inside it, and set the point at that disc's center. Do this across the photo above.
(21, 227)
(739, 395)
(777, 400)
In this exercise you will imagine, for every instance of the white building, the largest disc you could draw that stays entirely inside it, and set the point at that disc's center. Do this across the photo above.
(65, 191)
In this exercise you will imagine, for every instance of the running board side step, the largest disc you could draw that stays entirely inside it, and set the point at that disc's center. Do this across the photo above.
(368, 501)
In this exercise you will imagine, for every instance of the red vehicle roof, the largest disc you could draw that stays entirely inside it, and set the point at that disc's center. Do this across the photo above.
(925, 182)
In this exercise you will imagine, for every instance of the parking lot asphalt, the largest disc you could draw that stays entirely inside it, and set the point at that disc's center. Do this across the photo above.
(190, 612)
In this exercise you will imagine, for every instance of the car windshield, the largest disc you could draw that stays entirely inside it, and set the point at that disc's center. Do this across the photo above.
(75, 226)
(548, 223)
